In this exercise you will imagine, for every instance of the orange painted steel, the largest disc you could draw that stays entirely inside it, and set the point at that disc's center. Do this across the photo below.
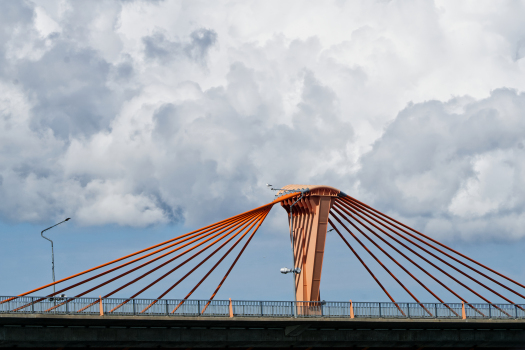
(252, 222)
(230, 229)
(229, 225)
(359, 258)
(123, 265)
(447, 274)
(235, 261)
(453, 267)
(408, 248)
(238, 222)
(462, 263)
(388, 255)
(206, 229)
(208, 233)
(277, 200)
(439, 243)
(141, 251)
(414, 263)
(370, 252)
(309, 209)
(198, 232)
(310, 223)
(259, 221)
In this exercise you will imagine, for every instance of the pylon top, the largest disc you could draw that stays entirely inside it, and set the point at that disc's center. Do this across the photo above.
(315, 190)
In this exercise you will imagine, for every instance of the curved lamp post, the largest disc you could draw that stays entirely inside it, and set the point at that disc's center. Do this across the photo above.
(52, 252)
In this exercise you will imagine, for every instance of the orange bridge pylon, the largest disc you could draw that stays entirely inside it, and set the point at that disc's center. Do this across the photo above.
(310, 223)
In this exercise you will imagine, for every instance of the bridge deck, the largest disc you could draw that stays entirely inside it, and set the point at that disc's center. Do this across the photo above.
(29, 330)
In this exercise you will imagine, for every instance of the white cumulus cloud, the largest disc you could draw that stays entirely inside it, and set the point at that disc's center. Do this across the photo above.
(138, 113)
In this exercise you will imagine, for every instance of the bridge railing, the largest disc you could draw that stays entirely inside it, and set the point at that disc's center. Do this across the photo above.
(254, 308)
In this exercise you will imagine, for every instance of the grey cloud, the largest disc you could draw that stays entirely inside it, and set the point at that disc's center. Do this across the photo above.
(221, 144)
(71, 91)
(16, 26)
(124, 71)
(160, 48)
(317, 101)
(15, 12)
(520, 50)
(432, 165)
(156, 46)
(166, 120)
(202, 40)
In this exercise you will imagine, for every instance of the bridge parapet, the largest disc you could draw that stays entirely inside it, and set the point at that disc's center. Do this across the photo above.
(258, 308)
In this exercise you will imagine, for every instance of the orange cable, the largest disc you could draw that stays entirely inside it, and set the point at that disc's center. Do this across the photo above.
(453, 267)
(439, 243)
(388, 255)
(463, 273)
(246, 223)
(132, 261)
(235, 261)
(216, 264)
(406, 257)
(146, 249)
(231, 228)
(358, 257)
(372, 254)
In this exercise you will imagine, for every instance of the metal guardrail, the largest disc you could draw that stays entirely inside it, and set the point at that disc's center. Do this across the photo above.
(246, 308)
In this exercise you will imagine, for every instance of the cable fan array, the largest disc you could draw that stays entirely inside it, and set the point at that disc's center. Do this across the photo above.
(356, 217)
(361, 222)
(232, 231)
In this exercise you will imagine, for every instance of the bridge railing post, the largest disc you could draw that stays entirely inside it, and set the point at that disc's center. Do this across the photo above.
(490, 310)
(408, 310)
(199, 307)
(380, 310)
(516, 310)
(134, 308)
(32, 305)
(167, 307)
(261, 305)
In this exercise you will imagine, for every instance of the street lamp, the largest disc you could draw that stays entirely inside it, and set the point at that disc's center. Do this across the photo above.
(52, 252)
(285, 270)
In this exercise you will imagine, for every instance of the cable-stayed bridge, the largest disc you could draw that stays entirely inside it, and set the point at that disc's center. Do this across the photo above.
(312, 210)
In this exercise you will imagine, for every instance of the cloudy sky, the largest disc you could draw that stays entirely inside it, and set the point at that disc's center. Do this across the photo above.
(143, 119)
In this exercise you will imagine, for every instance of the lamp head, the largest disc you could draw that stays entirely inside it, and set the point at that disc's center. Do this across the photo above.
(67, 219)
